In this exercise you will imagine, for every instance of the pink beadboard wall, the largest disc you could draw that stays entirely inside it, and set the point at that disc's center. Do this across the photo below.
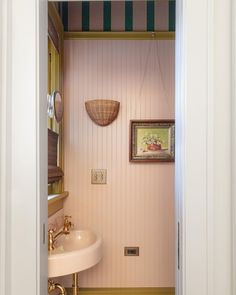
(136, 206)
(56, 220)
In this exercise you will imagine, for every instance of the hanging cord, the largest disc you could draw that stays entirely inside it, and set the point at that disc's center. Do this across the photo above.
(158, 65)
(145, 69)
(157, 59)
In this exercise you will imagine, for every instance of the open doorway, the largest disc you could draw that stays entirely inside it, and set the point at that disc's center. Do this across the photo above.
(124, 51)
(204, 172)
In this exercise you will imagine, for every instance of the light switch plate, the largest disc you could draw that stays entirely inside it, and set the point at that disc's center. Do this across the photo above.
(99, 176)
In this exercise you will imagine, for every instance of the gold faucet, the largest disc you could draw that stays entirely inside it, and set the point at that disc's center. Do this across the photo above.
(65, 231)
(53, 286)
(67, 224)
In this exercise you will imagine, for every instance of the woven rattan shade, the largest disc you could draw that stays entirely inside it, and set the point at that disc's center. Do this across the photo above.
(102, 111)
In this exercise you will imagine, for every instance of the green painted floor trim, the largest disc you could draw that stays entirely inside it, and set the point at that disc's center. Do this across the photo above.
(123, 291)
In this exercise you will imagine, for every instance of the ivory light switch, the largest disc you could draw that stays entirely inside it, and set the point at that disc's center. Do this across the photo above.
(99, 176)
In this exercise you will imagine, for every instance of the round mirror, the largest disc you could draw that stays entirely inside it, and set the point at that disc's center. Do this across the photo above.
(55, 106)
(58, 106)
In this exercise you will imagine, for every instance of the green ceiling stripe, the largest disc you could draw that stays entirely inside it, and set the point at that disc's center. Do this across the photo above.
(128, 15)
(150, 15)
(171, 15)
(107, 16)
(85, 16)
(65, 15)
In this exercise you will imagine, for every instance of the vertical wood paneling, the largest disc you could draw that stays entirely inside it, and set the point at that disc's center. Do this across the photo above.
(136, 207)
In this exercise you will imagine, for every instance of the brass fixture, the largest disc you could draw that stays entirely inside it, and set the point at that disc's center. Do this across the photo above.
(102, 111)
(67, 224)
(53, 286)
(65, 231)
(74, 289)
(75, 285)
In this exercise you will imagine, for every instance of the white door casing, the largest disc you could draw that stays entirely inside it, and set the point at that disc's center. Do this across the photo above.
(203, 132)
(23, 149)
(4, 140)
(233, 114)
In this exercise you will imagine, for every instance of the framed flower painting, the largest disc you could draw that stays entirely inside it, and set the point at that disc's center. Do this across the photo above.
(152, 141)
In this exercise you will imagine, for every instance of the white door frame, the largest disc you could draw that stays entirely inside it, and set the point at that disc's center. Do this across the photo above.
(233, 114)
(203, 168)
(23, 147)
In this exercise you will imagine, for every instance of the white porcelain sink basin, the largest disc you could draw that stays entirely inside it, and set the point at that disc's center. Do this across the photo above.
(79, 250)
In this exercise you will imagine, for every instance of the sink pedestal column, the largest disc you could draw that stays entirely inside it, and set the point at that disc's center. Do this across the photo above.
(75, 285)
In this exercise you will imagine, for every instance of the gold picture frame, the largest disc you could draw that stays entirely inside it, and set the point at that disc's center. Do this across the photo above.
(152, 141)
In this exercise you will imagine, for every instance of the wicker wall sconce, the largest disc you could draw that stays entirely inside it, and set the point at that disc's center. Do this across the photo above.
(102, 111)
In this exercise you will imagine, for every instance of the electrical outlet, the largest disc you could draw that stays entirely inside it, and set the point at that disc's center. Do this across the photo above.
(99, 176)
(131, 251)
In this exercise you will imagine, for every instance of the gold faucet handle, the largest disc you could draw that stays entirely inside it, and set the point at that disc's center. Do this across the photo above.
(66, 220)
(67, 224)
(51, 231)
(67, 217)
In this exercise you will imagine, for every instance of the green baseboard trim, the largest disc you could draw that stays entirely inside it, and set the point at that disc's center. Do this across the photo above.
(123, 291)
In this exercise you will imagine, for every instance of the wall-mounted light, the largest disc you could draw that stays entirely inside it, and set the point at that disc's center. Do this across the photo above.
(102, 111)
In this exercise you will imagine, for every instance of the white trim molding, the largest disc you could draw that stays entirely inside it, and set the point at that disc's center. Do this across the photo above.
(233, 151)
(203, 165)
(5, 135)
(23, 149)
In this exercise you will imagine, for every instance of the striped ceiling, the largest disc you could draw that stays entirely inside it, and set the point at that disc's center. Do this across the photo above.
(158, 15)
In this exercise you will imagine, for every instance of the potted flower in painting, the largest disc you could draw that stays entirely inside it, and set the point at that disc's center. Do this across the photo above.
(153, 142)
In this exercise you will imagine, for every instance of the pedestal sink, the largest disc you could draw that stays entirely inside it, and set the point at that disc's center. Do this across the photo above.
(77, 251)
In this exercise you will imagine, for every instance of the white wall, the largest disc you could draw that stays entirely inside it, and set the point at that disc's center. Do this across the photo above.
(136, 207)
